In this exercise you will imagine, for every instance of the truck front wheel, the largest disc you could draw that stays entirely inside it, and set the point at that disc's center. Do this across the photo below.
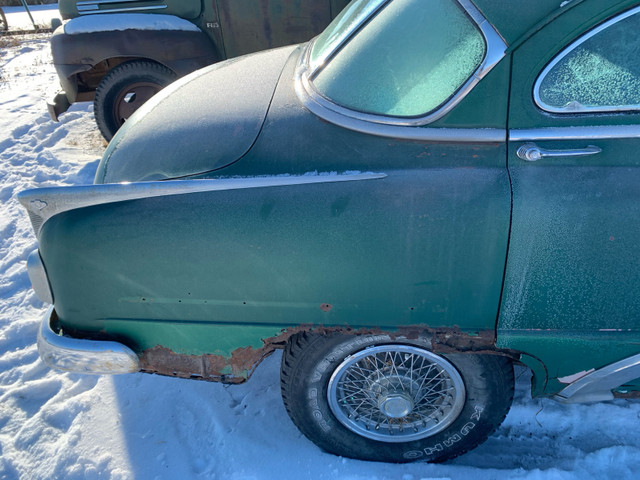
(124, 89)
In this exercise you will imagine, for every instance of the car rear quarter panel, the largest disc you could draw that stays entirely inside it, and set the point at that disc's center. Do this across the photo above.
(202, 122)
(160, 271)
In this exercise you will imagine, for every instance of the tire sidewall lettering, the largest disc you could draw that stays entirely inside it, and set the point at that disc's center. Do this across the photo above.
(316, 413)
(316, 357)
(449, 441)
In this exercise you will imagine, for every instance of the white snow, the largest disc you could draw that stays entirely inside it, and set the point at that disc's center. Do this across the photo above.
(66, 426)
(132, 21)
(18, 18)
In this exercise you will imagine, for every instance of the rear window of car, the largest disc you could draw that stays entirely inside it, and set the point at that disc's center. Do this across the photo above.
(406, 61)
(600, 72)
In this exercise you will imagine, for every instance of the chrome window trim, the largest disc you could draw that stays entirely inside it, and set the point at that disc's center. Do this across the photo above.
(370, 123)
(573, 108)
(44, 203)
(376, 5)
(598, 132)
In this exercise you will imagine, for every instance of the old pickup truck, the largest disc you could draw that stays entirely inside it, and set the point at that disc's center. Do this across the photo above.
(119, 53)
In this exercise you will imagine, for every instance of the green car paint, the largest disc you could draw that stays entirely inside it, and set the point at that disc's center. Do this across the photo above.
(457, 234)
(274, 256)
(577, 214)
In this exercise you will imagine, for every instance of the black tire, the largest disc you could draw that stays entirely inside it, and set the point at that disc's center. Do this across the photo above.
(466, 416)
(124, 89)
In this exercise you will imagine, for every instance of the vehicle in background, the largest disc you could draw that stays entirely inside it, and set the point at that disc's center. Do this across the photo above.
(119, 54)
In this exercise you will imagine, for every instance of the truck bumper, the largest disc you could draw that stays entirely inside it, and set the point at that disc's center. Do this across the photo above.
(80, 355)
(58, 105)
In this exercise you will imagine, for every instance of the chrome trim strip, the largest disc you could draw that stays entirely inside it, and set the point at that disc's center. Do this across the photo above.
(424, 134)
(44, 203)
(598, 132)
(574, 107)
(38, 276)
(100, 2)
(325, 108)
(597, 385)
(83, 356)
(373, 7)
(118, 10)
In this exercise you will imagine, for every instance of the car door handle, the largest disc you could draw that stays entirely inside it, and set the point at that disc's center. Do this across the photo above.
(531, 152)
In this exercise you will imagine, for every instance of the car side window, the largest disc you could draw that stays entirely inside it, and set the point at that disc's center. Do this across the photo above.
(407, 61)
(600, 72)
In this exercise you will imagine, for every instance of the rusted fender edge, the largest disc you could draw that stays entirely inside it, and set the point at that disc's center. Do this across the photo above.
(631, 395)
(243, 361)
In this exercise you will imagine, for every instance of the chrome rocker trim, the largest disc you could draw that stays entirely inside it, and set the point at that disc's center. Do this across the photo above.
(597, 385)
(83, 356)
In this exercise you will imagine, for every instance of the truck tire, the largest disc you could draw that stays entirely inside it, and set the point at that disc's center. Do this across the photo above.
(373, 397)
(124, 89)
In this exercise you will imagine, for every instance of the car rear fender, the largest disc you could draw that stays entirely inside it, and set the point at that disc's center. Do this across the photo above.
(200, 123)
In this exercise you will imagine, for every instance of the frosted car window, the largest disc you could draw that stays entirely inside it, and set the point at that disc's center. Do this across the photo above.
(340, 28)
(600, 72)
(409, 59)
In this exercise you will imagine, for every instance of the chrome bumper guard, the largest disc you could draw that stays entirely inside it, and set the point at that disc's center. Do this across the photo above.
(83, 356)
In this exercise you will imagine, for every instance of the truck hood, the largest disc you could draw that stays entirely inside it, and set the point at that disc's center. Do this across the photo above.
(203, 122)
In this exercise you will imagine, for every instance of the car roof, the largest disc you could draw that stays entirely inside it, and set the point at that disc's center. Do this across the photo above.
(516, 20)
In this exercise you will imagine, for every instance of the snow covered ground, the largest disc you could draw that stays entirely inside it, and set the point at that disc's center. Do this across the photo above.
(66, 426)
(18, 18)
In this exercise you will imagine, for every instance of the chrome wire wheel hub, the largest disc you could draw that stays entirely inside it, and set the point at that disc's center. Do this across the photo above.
(396, 393)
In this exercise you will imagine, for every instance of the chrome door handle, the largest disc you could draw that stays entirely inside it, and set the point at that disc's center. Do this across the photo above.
(531, 152)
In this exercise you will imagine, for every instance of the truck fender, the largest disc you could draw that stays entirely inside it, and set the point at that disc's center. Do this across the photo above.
(182, 51)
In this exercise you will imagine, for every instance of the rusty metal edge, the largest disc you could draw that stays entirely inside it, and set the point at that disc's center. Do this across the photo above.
(239, 367)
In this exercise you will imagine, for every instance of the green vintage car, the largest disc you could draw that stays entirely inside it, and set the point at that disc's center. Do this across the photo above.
(417, 199)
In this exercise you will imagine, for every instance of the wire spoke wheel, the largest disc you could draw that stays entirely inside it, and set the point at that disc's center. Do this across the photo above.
(396, 393)
(391, 399)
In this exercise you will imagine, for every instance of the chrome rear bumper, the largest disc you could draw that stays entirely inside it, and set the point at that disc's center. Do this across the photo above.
(83, 356)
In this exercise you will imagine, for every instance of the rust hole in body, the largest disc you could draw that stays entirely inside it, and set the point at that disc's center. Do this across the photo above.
(325, 307)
